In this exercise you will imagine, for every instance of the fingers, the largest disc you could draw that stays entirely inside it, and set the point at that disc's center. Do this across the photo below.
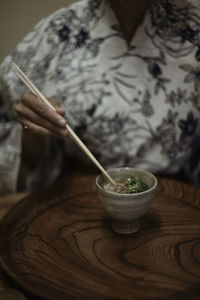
(26, 115)
(57, 107)
(40, 118)
(37, 129)
(42, 109)
(60, 111)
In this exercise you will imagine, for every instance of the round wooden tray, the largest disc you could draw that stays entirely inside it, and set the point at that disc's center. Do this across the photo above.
(59, 244)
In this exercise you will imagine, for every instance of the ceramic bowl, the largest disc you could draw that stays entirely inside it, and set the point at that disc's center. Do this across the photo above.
(126, 209)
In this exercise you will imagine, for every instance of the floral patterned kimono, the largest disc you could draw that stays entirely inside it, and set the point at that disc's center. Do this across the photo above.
(135, 105)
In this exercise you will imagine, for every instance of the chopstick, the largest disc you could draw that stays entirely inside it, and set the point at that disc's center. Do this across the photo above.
(38, 94)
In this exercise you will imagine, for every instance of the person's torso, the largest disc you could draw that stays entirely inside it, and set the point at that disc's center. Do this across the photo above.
(138, 105)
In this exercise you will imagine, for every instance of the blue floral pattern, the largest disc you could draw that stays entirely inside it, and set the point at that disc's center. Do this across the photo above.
(132, 106)
(189, 125)
(193, 75)
(64, 33)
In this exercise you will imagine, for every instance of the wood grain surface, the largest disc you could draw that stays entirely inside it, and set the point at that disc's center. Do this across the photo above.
(58, 244)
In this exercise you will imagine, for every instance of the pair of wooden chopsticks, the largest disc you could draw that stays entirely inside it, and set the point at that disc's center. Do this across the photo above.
(38, 94)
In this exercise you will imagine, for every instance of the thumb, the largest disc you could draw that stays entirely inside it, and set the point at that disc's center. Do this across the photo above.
(56, 104)
(60, 111)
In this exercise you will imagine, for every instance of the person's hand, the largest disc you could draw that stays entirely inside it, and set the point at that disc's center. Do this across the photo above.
(39, 118)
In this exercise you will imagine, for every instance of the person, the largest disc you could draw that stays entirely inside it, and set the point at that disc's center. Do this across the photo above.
(123, 74)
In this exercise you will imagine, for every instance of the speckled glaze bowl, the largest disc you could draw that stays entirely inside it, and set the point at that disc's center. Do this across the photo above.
(126, 209)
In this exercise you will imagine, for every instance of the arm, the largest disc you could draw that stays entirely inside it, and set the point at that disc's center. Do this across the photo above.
(18, 148)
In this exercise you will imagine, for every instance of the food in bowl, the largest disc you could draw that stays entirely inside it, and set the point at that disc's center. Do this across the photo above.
(131, 185)
(125, 209)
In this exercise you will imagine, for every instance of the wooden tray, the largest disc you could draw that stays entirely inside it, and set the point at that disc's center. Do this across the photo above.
(58, 244)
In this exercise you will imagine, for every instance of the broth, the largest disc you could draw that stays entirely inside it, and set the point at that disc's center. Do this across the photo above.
(131, 185)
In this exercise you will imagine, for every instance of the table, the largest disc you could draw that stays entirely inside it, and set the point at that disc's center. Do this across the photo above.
(58, 244)
(8, 290)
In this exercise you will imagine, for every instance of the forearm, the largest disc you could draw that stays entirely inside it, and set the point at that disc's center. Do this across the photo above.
(33, 148)
(41, 161)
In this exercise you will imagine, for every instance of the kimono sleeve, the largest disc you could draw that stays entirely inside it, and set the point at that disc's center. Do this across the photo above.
(33, 55)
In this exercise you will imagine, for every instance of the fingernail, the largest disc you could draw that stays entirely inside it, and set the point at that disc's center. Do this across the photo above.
(61, 121)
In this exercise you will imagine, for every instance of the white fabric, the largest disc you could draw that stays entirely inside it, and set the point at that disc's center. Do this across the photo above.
(132, 106)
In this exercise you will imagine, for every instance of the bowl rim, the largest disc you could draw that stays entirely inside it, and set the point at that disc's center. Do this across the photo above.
(132, 194)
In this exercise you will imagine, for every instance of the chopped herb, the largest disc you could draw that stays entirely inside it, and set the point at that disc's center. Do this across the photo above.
(131, 185)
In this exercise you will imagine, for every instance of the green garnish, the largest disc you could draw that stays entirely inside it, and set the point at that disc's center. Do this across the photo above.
(131, 185)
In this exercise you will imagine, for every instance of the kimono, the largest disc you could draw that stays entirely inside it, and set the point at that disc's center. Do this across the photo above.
(133, 104)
